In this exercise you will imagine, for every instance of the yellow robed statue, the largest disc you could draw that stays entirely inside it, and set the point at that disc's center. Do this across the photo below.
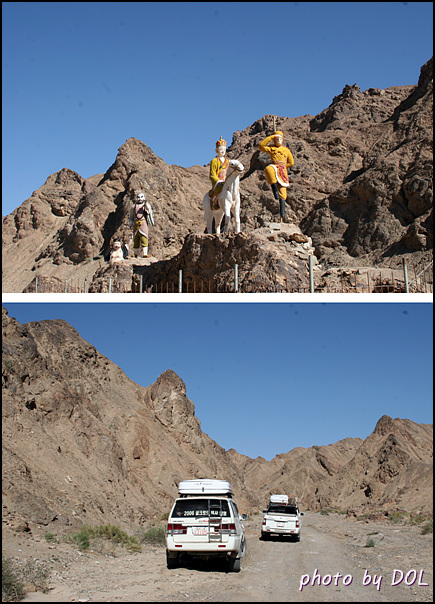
(218, 171)
(276, 172)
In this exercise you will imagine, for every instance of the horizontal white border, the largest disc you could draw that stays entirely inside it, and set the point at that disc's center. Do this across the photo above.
(216, 298)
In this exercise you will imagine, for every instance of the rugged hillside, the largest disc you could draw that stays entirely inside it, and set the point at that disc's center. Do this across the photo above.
(392, 467)
(84, 443)
(361, 192)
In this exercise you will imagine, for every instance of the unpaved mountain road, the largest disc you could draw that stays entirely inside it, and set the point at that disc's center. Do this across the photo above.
(332, 551)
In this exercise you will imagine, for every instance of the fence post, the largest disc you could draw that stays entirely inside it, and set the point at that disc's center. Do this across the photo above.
(405, 275)
(110, 285)
(236, 278)
(85, 286)
(311, 265)
(180, 281)
(36, 285)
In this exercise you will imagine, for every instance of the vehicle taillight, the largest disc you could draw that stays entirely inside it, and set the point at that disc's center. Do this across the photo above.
(177, 529)
(297, 524)
(229, 529)
(264, 521)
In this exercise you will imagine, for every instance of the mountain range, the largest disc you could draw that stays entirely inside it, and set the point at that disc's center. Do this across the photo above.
(83, 443)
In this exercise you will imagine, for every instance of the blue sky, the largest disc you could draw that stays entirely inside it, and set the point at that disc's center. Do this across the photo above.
(80, 78)
(266, 378)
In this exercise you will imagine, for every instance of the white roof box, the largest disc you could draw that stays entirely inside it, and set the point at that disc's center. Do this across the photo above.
(279, 499)
(205, 487)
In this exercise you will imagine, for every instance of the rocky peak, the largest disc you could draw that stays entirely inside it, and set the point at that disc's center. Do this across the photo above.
(425, 81)
(172, 408)
(132, 158)
(349, 92)
(384, 426)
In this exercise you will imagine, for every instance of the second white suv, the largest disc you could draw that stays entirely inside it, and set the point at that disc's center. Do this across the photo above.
(282, 517)
(205, 521)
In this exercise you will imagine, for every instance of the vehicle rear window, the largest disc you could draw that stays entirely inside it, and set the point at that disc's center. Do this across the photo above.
(275, 508)
(194, 508)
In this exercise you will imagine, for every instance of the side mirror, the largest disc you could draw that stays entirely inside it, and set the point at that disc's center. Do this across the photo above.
(301, 513)
(244, 517)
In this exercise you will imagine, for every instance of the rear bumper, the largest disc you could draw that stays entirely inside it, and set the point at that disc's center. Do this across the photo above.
(280, 531)
(216, 548)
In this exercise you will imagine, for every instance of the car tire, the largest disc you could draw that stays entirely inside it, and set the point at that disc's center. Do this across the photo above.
(235, 564)
(243, 548)
(172, 561)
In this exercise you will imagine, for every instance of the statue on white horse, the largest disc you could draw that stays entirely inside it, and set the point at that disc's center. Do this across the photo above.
(224, 197)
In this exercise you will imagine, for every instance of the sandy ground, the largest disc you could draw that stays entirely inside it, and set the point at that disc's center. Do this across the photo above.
(331, 563)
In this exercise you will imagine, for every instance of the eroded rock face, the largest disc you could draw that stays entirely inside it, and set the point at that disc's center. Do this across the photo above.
(388, 201)
(361, 189)
(79, 435)
(273, 258)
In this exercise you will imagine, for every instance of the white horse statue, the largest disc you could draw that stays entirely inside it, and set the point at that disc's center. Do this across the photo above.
(228, 198)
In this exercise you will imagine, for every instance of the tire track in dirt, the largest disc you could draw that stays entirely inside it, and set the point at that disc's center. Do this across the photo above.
(274, 568)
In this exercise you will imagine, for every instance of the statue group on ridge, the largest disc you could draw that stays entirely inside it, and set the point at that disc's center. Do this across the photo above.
(215, 204)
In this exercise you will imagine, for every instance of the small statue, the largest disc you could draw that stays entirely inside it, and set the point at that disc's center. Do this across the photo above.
(218, 172)
(276, 171)
(116, 253)
(141, 215)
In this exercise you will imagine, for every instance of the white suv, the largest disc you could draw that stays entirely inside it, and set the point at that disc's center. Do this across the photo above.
(282, 517)
(204, 521)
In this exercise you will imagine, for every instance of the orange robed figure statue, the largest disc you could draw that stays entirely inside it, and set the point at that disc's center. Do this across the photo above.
(276, 172)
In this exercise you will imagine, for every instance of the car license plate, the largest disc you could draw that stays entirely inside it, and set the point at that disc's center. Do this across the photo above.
(280, 524)
(200, 530)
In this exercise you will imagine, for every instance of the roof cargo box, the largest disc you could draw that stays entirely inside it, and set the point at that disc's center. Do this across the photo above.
(205, 487)
(279, 499)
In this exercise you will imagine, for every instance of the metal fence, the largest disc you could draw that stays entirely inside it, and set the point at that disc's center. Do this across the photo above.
(410, 280)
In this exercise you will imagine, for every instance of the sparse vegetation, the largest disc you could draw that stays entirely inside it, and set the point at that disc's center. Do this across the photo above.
(12, 584)
(370, 542)
(397, 517)
(50, 538)
(424, 520)
(155, 535)
(99, 537)
(15, 578)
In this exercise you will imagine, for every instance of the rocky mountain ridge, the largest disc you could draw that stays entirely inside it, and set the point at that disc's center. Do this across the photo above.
(361, 194)
(82, 443)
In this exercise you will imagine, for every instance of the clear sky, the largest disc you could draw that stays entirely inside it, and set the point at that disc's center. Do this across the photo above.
(80, 78)
(266, 378)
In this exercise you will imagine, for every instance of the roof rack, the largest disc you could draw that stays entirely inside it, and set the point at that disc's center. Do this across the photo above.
(190, 488)
(283, 499)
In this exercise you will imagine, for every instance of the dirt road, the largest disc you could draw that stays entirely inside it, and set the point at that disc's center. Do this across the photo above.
(331, 563)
